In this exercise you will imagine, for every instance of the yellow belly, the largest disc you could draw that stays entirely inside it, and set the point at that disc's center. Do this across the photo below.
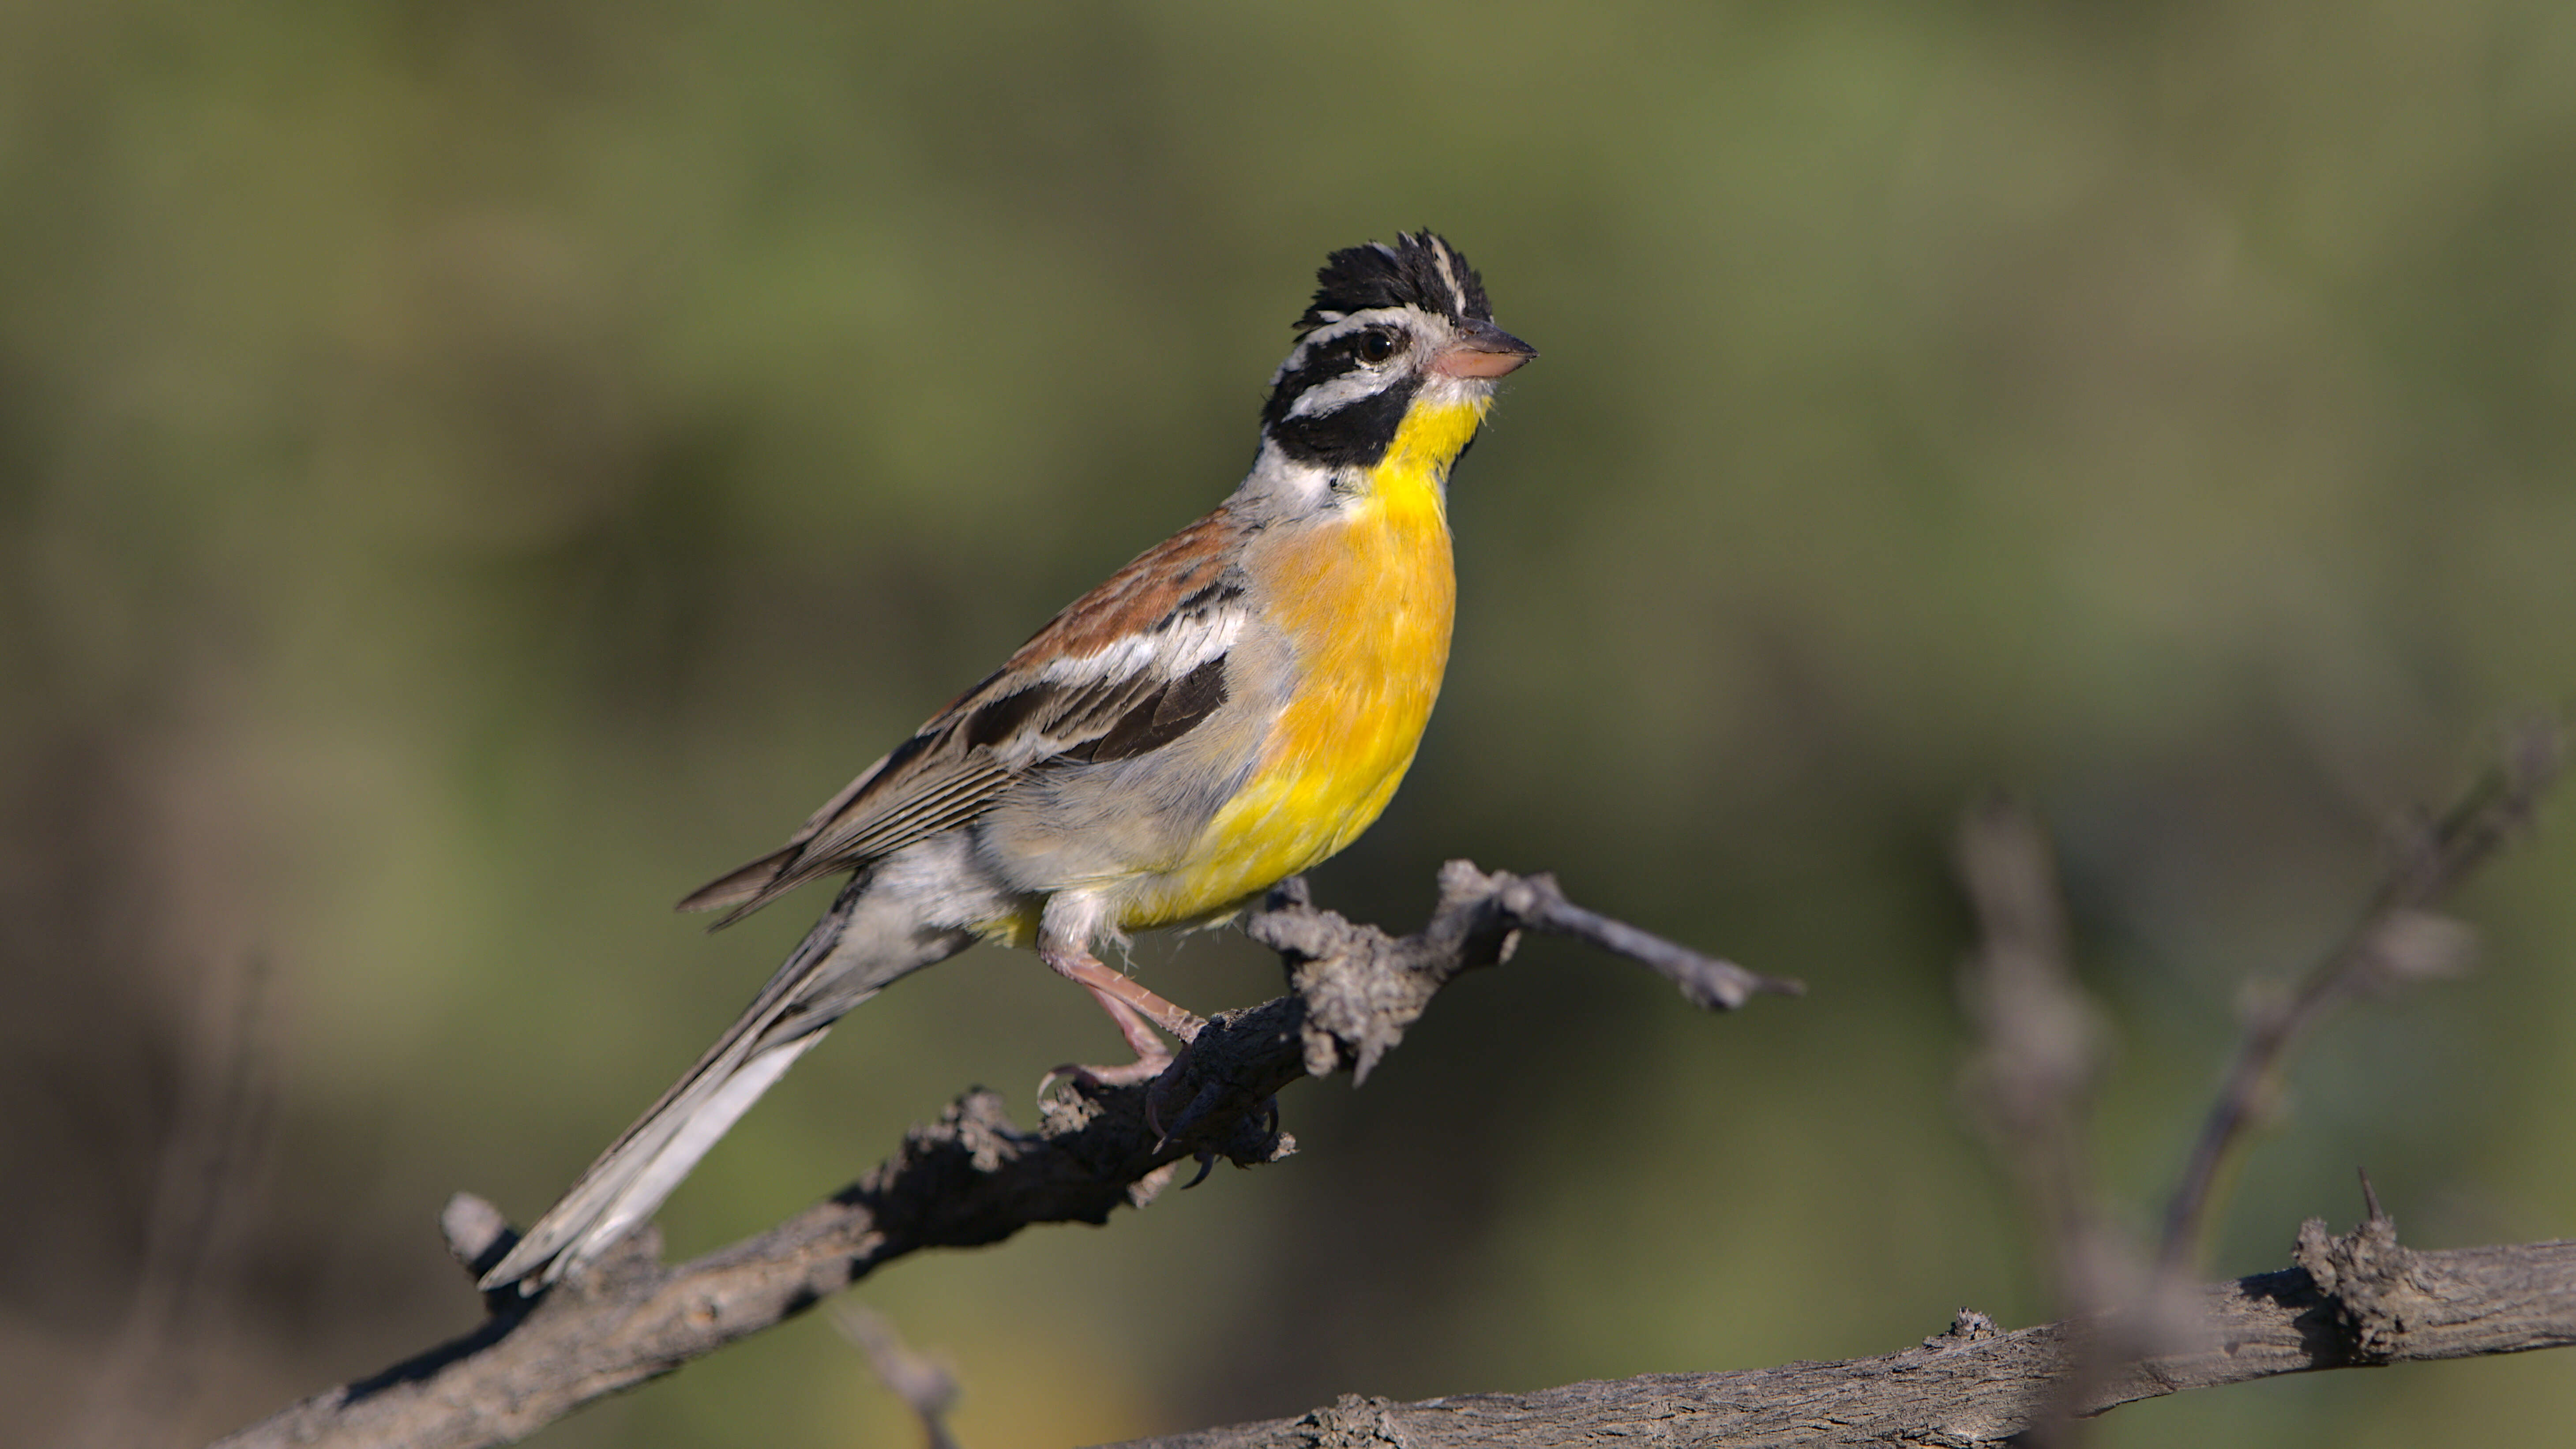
(1370, 621)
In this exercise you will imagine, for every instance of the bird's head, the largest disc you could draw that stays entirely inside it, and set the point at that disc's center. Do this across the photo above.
(1392, 326)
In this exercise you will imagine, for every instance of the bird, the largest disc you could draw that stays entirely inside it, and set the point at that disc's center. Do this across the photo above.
(1232, 707)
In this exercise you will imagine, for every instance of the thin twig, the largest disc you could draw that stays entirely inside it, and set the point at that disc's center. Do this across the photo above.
(1705, 981)
(2399, 939)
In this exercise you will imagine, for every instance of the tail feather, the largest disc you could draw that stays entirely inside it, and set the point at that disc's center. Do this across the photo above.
(632, 1180)
(835, 968)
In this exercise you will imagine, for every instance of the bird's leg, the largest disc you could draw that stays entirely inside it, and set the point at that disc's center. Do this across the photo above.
(1128, 1002)
(1071, 922)
(1137, 1012)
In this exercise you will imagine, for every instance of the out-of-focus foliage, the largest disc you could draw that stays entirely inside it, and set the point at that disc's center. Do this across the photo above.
(470, 472)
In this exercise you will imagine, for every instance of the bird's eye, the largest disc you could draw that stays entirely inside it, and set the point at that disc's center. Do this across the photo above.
(1375, 347)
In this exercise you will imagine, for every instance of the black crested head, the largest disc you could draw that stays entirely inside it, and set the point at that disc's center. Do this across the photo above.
(1417, 270)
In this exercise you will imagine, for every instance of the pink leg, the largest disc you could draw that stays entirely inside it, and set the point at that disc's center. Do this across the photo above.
(1132, 1007)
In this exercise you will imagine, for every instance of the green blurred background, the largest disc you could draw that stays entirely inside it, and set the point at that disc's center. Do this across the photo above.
(470, 472)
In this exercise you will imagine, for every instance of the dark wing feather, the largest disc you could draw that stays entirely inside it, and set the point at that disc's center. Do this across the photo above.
(1017, 722)
(1157, 719)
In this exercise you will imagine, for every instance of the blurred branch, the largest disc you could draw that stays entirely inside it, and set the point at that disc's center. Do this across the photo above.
(925, 1385)
(2399, 940)
(2037, 1055)
(203, 1194)
(970, 1179)
(2030, 1084)
(2353, 1301)
(2031, 1078)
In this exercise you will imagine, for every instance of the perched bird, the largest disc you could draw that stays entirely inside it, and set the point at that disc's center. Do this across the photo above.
(1232, 707)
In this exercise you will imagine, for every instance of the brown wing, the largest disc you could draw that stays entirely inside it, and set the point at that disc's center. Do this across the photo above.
(1127, 668)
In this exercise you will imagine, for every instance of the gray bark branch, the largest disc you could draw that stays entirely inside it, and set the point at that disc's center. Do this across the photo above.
(971, 1178)
(2356, 1300)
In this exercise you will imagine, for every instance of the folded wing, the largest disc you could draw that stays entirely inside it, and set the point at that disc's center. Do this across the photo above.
(1129, 668)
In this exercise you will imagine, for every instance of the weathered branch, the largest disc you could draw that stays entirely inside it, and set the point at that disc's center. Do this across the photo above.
(2036, 1060)
(973, 1178)
(2355, 1300)
(970, 1179)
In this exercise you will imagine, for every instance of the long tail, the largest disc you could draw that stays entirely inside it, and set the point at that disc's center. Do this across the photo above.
(849, 956)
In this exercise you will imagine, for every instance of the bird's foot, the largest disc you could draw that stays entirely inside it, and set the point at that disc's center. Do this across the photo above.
(1145, 1068)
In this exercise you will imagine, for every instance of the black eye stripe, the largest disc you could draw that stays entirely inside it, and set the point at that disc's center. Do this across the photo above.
(1337, 358)
(1356, 434)
(1356, 429)
(1352, 347)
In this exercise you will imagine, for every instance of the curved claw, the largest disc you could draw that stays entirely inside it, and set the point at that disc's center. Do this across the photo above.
(1171, 1076)
(1062, 1072)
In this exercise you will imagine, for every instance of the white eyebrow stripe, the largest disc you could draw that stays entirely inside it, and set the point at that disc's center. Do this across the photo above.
(1457, 294)
(1342, 325)
(1353, 321)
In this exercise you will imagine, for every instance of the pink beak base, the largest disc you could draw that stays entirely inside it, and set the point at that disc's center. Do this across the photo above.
(1484, 351)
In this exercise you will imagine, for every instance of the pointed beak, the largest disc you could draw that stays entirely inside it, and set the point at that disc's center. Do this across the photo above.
(1481, 349)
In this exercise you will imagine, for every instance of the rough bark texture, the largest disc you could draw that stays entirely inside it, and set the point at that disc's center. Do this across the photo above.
(2356, 1300)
